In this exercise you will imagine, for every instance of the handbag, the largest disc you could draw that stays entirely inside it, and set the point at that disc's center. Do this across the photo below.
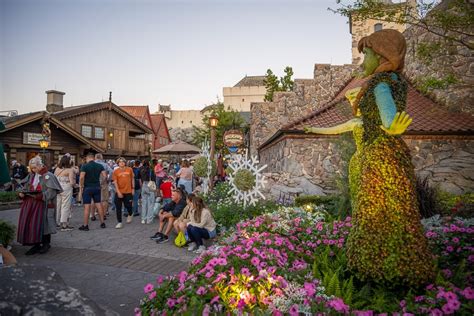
(180, 240)
(151, 184)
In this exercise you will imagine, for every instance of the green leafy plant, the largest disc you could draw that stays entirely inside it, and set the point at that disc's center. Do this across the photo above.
(7, 233)
(200, 167)
(8, 196)
(427, 84)
(244, 180)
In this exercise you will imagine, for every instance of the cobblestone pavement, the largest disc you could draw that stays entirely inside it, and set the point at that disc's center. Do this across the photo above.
(110, 266)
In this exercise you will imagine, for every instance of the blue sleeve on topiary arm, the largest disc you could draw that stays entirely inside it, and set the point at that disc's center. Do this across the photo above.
(385, 103)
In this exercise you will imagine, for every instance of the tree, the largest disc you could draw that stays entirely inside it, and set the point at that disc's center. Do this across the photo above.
(228, 119)
(273, 84)
(449, 19)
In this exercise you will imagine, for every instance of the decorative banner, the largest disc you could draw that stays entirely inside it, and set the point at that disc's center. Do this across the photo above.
(233, 139)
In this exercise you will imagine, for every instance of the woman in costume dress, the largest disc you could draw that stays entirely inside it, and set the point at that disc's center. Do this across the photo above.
(37, 220)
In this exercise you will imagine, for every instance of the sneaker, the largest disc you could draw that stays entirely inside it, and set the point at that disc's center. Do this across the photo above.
(102, 225)
(192, 246)
(84, 228)
(93, 218)
(201, 249)
(156, 236)
(66, 229)
(143, 221)
(129, 219)
(163, 239)
(119, 225)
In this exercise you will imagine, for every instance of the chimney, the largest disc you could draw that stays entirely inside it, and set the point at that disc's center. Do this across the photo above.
(54, 101)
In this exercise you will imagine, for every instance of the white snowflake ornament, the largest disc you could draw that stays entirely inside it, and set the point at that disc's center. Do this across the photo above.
(242, 162)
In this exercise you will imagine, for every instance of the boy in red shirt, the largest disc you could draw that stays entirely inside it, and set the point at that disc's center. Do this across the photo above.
(165, 189)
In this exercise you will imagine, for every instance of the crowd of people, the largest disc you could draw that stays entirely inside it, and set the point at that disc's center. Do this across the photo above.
(152, 189)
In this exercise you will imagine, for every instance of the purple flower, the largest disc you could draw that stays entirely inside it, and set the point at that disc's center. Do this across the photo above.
(245, 271)
(293, 310)
(206, 311)
(241, 304)
(468, 293)
(171, 302)
(447, 309)
(338, 305)
(159, 279)
(310, 289)
(215, 299)
(255, 261)
(148, 288)
(201, 290)
(152, 295)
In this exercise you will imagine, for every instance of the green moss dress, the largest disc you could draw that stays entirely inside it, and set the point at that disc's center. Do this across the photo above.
(386, 243)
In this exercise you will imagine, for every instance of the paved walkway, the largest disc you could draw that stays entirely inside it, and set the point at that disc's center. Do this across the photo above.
(110, 266)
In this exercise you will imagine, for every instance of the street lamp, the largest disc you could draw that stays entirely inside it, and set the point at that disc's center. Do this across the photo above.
(44, 143)
(213, 121)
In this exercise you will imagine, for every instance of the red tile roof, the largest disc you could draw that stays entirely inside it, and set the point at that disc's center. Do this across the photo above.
(137, 111)
(140, 112)
(157, 120)
(428, 117)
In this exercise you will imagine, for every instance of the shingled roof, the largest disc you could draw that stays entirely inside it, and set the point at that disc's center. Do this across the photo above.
(251, 81)
(429, 118)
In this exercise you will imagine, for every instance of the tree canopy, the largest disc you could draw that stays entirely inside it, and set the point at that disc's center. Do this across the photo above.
(228, 119)
(273, 84)
(449, 19)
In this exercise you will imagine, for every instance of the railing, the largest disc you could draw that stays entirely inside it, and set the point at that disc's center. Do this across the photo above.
(136, 145)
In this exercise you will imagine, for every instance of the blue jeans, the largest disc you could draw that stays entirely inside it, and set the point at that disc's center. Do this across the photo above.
(136, 197)
(197, 234)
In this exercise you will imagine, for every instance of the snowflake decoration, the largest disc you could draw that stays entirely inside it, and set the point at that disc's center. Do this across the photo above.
(205, 152)
(250, 197)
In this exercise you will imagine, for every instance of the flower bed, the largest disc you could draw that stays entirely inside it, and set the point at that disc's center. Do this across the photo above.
(293, 262)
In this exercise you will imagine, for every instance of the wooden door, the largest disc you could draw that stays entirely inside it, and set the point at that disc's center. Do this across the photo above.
(119, 139)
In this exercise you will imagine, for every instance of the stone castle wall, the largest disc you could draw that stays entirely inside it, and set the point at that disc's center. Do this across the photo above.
(309, 165)
(453, 60)
(307, 96)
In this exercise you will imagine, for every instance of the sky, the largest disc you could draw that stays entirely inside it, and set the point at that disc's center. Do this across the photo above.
(158, 52)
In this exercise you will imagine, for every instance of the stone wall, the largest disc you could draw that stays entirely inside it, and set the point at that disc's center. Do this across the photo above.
(309, 165)
(184, 134)
(301, 166)
(307, 96)
(453, 60)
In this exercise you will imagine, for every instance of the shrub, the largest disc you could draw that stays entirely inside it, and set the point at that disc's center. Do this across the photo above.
(7, 233)
(456, 205)
(8, 196)
(200, 167)
(244, 180)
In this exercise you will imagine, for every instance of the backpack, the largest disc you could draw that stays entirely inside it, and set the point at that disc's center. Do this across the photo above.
(180, 240)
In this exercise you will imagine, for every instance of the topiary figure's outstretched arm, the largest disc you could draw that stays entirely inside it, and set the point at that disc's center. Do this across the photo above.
(334, 130)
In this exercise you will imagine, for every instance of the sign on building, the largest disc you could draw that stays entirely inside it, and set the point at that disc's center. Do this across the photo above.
(33, 138)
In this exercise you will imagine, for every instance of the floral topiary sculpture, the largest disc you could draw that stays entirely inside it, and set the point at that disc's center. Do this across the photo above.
(386, 243)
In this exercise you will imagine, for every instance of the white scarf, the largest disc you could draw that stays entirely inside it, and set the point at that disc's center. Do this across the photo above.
(36, 180)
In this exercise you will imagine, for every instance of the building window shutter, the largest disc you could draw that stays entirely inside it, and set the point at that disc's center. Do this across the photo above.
(378, 27)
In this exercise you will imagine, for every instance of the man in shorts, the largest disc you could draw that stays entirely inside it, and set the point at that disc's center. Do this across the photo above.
(91, 173)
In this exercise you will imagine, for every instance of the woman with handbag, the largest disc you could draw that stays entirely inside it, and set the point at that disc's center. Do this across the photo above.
(147, 183)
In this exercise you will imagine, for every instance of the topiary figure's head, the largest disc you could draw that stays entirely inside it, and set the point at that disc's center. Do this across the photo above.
(200, 167)
(244, 180)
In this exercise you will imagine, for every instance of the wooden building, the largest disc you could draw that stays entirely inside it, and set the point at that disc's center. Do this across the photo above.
(160, 128)
(22, 134)
(101, 127)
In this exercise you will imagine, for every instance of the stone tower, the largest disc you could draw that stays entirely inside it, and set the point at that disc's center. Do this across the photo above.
(361, 28)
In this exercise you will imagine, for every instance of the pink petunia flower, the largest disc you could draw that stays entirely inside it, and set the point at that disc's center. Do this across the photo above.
(294, 310)
(148, 288)
(201, 290)
(152, 295)
(468, 293)
(255, 261)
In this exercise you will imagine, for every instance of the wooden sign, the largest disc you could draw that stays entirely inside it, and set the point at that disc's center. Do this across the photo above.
(233, 139)
(33, 138)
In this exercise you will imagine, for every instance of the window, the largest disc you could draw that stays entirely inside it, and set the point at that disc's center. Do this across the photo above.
(86, 131)
(99, 132)
(378, 27)
(243, 100)
(191, 122)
